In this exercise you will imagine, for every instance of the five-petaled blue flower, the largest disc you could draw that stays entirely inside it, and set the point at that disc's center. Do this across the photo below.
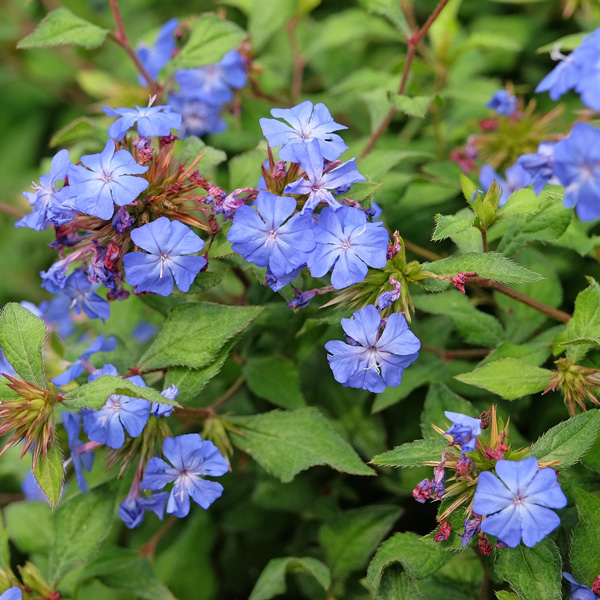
(191, 457)
(373, 360)
(155, 57)
(516, 503)
(166, 243)
(306, 123)
(110, 178)
(317, 183)
(577, 167)
(80, 290)
(76, 369)
(540, 165)
(348, 243)
(81, 460)
(198, 117)
(503, 102)
(214, 84)
(269, 237)
(131, 510)
(151, 121)
(578, 591)
(516, 178)
(46, 193)
(465, 430)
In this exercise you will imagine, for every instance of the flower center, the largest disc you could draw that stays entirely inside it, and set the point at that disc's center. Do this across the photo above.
(346, 244)
(106, 177)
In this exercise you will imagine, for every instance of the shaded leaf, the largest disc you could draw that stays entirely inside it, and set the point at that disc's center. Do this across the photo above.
(50, 475)
(585, 547)
(413, 454)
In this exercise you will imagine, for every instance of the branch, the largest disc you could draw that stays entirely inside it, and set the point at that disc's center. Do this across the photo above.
(420, 251)
(413, 41)
(120, 36)
(559, 315)
(12, 210)
(457, 354)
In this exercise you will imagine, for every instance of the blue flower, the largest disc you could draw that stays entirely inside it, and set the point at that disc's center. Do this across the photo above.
(155, 57)
(516, 503)
(158, 409)
(317, 184)
(13, 593)
(214, 84)
(166, 242)
(151, 121)
(144, 332)
(198, 118)
(578, 591)
(81, 292)
(76, 369)
(346, 242)
(31, 490)
(465, 430)
(306, 123)
(269, 237)
(122, 221)
(577, 166)
(516, 178)
(55, 277)
(472, 526)
(83, 460)
(278, 283)
(372, 361)
(5, 366)
(190, 457)
(107, 369)
(46, 193)
(539, 165)
(503, 102)
(110, 178)
(56, 312)
(131, 510)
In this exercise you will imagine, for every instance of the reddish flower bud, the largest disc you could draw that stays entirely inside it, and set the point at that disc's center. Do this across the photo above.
(484, 546)
(443, 533)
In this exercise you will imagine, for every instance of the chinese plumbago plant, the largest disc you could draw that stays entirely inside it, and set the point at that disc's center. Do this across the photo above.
(250, 357)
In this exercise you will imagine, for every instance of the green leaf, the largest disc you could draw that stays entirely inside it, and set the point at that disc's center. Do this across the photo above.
(81, 524)
(509, 378)
(585, 546)
(568, 42)
(60, 27)
(267, 18)
(210, 39)
(491, 265)
(276, 379)
(568, 441)
(419, 559)
(440, 399)
(271, 582)
(522, 202)
(534, 573)
(390, 9)
(351, 537)
(397, 585)
(449, 225)
(591, 459)
(194, 333)
(286, 443)
(474, 326)
(416, 106)
(49, 474)
(4, 547)
(79, 129)
(413, 454)
(22, 336)
(193, 147)
(503, 595)
(95, 394)
(20, 516)
(244, 169)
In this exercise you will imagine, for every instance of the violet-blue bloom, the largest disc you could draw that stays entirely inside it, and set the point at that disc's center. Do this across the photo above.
(191, 457)
(155, 57)
(306, 123)
(76, 369)
(54, 278)
(167, 243)
(577, 167)
(317, 184)
(539, 165)
(81, 460)
(31, 490)
(151, 121)
(503, 102)
(516, 178)
(158, 409)
(131, 510)
(278, 283)
(214, 84)
(472, 526)
(516, 503)
(107, 369)
(110, 178)
(122, 221)
(81, 292)
(348, 243)
(578, 591)
(13, 593)
(46, 193)
(464, 429)
(376, 361)
(198, 118)
(271, 237)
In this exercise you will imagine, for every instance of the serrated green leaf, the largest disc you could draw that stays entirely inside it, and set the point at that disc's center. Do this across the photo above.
(267, 18)
(274, 378)
(286, 443)
(413, 454)
(95, 393)
(416, 106)
(22, 336)
(534, 573)
(521, 202)
(440, 399)
(194, 333)
(397, 585)
(568, 441)
(79, 129)
(49, 474)
(60, 27)
(271, 582)
(194, 147)
(449, 225)
(585, 546)
(81, 524)
(509, 378)
(491, 265)
(20, 516)
(390, 9)
(350, 538)
(362, 191)
(210, 39)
